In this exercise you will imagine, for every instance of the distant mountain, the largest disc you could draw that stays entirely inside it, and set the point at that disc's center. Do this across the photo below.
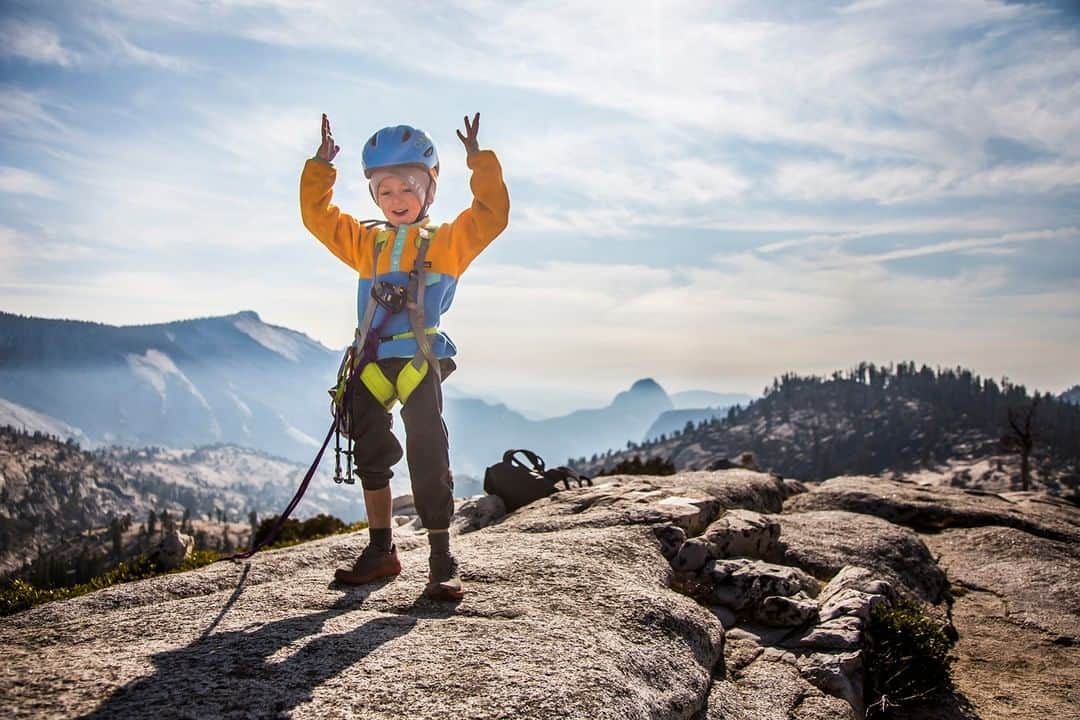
(52, 490)
(480, 432)
(694, 407)
(232, 379)
(27, 420)
(676, 421)
(237, 380)
(694, 399)
(873, 420)
(58, 499)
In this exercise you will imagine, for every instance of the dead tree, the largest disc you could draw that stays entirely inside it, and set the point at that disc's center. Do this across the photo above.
(1020, 438)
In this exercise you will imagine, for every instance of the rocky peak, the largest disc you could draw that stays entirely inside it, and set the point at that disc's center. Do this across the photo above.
(645, 394)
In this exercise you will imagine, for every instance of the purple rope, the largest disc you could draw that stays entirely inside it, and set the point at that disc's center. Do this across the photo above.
(370, 350)
(292, 503)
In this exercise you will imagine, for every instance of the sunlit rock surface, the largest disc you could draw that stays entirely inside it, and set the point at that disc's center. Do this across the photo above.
(577, 608)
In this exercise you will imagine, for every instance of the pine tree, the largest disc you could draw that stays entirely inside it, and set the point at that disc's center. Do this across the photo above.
(116, 534)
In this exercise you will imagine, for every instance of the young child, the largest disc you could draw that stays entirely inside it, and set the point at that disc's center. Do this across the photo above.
(402, 168)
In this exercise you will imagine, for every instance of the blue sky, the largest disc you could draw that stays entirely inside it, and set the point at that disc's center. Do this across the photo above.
(708, 193)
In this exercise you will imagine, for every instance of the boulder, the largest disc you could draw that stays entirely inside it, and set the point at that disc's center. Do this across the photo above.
(692, 556)
(768, 690)
(175, 547)
(671, 538)
(838, 674)
(844, 632)
(689, 500)
(855, 592)
(569, 614)
(785, 610)
(761, 682)
(855, 579)
(742, 533)
(477, 512)
(929, 509)
(823, 542)
(741, 583)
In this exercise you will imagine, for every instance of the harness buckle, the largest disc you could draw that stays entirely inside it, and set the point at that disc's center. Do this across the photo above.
(390, 296)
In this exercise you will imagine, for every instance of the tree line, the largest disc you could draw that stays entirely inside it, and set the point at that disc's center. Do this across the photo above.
(872, 419)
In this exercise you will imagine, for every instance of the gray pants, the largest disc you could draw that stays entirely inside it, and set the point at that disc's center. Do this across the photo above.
(427, 444)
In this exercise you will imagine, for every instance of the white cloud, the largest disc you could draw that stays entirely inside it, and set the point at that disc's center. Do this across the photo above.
(750, 318)
(30, 115)
(627, 165)
(19, 247)
(38, 41)
(592, 223)
(960, 245)
(261, 141)
(613, 119)
(317, 302)
(830, 180)
(113, 43)
(912, 91)
(913, 183)
(34, 41)
(23, 182)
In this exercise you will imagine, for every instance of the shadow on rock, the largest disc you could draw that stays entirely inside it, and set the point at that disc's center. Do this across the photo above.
(260, 671)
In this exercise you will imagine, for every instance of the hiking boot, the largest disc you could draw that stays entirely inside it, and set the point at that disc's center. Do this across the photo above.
(371, 565)
(443, 580)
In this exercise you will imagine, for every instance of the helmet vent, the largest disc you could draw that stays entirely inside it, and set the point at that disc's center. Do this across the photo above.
(374, 140)
(406, 136)
(427, 153)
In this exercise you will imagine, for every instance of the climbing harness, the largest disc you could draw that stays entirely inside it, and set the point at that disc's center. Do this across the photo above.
(359, 362)
(361, 356)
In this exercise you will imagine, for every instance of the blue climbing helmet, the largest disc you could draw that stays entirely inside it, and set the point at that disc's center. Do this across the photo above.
(400, 145)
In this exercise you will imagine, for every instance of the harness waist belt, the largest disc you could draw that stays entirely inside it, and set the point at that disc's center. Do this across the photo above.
(409, 334)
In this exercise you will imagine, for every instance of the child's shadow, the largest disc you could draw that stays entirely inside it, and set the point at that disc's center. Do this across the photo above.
(232, 673)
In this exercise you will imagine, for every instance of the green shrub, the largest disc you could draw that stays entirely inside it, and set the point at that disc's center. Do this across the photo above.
(907, 659)
(20, 595)
(652, 466)
(294, 531)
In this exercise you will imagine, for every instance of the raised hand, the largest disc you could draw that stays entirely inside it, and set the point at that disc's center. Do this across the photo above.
(469, 138)
(328, 150)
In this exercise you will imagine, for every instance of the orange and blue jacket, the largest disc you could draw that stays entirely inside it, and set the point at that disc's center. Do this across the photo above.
(452, 248)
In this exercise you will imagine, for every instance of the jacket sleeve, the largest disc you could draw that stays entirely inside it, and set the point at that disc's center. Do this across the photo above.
(475, 228)
(338, 231)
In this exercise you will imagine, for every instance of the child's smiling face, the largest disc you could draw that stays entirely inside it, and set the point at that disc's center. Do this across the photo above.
(398, 201)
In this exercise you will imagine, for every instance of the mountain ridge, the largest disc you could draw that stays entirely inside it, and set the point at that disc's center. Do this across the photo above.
(236, 379)
(878, 419)
(228, 378)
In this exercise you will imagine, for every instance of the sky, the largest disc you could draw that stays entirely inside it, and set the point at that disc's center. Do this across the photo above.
(710, 194)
